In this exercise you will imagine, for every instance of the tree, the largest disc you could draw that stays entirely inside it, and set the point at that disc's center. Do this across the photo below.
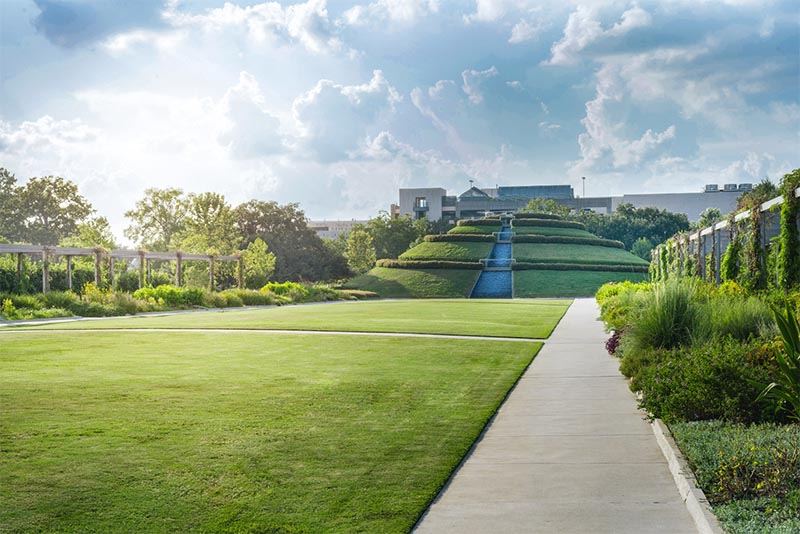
(9, 218)
(210, 225)
(259, 264)
(393, 236)
(546, 205)
(763, 191)
(708, 217)
(95, 232)
(628, 224)
(50, 209)
(642, 248)
(299, 252)
(360, 251)
(158, 219)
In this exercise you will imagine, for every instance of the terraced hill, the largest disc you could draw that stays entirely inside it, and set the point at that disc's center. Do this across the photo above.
(524, 255)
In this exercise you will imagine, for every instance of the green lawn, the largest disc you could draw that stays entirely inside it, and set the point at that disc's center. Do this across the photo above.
(546, 230)
(539, 283)
(211, 432)
(416, 283)
(568, 253)
(457, 251)
(474, 229)
(501, 318)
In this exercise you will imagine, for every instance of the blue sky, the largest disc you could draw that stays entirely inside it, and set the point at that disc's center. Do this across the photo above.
(336, 105)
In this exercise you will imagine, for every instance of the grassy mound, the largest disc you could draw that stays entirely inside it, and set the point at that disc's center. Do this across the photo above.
(537, 283)
(583, 254)
(416, 283)
(460, 251)
(468, 229)
(544, 230)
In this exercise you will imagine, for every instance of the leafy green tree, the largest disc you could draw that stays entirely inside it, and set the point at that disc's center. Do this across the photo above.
(299, 252)
(210, 225)
(708, 217)
(9, 205)
(763, 191)
(259, 264)
(628, 224)
(50, 209)
(92, 233)
(393, 236)
(158, 219)
(360, 251)
(642, 248)
(546, 205)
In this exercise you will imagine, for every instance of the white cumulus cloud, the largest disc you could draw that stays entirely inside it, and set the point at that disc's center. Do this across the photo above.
(473, 79)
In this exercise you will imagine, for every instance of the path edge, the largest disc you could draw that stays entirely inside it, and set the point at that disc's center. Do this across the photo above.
(693, 497)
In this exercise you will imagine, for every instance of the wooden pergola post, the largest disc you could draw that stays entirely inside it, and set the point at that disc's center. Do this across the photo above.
(148, 269)
(97, 267)
(19, 265)
(179, 269)
(241, 272)
(111, 271)
(69, 272)
(45, 271)
(141, 269)
(211, 273)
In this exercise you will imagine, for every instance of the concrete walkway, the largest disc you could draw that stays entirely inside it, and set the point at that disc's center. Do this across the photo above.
(568, 452)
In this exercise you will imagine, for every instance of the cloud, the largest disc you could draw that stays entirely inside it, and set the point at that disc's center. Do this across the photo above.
(332, 118)
(524, 31)
(254, 131)
(36, 137)
(398, 11)
(515, 84)
(305, 23)
(582, 29)
(473, 79)
(494, 10)
(69, 24)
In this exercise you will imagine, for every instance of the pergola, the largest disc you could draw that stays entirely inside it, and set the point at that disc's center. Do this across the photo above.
(144, 257)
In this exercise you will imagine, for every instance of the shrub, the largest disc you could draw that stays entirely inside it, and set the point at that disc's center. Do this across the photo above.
(451, 238)
(716, 380)
(619, 301)
(360, 294)
(785, 388)
(9, 310)
(549, 222)
(740, 318)
(668, 316)
(428, 264)
(159, 278)
(567, 240)
(60, 299)
(291, 290)
(172, 295)
(128, 281)
(251, 297)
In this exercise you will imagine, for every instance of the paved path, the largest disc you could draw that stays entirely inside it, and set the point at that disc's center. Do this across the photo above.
(568, 452)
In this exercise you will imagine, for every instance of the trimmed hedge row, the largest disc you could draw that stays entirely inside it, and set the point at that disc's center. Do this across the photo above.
(435, 238)
(524, 266)
(538, 216)
(428, 264)
(553, 223)
(480, 222)
(567, 240)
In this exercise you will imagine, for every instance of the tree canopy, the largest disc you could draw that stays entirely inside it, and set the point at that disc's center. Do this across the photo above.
(629, 223)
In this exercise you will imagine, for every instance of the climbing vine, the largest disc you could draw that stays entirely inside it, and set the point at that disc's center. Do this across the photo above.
(788, 261)
(731, 260)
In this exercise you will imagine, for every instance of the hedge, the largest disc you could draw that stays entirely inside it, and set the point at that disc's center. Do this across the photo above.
(525, 266)
(567, 240)
(538, 216)
(435, 238)
(428, 264)
(553, 223)
(480, 222)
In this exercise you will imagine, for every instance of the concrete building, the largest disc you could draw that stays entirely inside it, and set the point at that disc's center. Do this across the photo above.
(333, 229)
(434, 203)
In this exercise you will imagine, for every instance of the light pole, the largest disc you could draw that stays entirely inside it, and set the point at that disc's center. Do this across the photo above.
(583, 179)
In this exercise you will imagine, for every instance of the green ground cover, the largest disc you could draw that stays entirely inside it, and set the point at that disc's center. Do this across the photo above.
(583, 254)
(457, 251)
(474, 229)
(416, 283)
(534, 283)
(544, 230)
(500, 318)
(211, 432)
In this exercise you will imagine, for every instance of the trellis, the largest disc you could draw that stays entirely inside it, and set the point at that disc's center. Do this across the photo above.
(144, 257)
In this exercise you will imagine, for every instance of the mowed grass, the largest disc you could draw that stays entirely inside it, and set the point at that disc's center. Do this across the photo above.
(459, 251)
(416, 283)
(569, 253)
(499, 318)
(540, 283)
(210, 432)
(474, 229)
(546, 230)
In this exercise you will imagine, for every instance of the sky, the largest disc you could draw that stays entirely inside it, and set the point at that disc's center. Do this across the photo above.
(335, 105)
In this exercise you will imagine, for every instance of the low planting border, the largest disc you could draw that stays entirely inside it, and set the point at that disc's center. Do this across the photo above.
(554, 266)
(567, 240)
(428, 264)
(553, 223)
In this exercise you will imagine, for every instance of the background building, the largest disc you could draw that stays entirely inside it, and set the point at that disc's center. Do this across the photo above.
(434, 203)
(333, 229)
